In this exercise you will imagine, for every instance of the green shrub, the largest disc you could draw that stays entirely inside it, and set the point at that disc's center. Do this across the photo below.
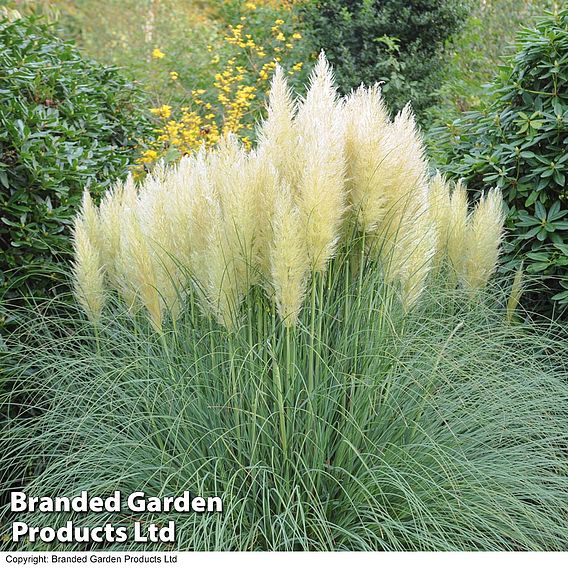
(395, 41)
(66, 123)
(441, 429)
(518, 142)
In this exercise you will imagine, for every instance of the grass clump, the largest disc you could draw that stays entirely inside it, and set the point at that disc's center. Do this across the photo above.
(439, 429)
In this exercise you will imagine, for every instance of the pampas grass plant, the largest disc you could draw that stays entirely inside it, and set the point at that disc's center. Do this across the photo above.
(307, 330)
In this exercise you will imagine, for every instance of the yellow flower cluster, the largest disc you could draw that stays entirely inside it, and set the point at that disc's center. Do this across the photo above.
(235, 100)
(165, 111)
(266, 71)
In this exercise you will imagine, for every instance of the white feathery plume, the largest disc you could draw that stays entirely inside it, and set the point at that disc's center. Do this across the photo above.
(405, 239)
(440, 210)
(158, 235)
(484, 235)
(110, 216)
(88, 270)
(457, 229)
(136, 270)
(366, 144)
(289, 261)
(320, 192)
(277, 138)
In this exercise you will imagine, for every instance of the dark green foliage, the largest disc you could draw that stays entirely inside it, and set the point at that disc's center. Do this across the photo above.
(66, 123)
(518, 142)
(396, 41)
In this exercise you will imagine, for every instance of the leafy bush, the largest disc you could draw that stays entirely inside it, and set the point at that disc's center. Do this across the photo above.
(66, 123)
(518, 143)
(395, 41)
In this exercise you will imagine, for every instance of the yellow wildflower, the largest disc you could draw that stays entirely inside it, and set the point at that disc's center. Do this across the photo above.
(164, 111)
(174, 75)
(157, 53)
(149, 156)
